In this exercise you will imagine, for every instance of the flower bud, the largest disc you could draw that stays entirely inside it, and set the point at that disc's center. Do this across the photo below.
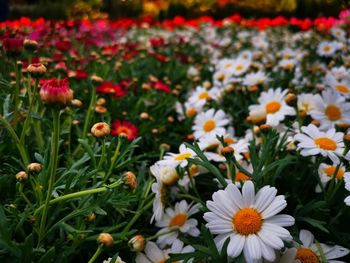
(165, 147)
(30, 44)
(130, 180)
(56, 93)
(100, 129)
(91, 217)
(77, 103)
(105, 239)
(100, 109)
(34, 167)
(291, 99)
(21, 176)
(144, 116)
(228, 150)
(36, 69)
(101, 101)
(137, 243)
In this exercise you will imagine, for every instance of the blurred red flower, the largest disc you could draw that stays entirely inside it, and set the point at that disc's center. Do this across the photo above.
(124, 128)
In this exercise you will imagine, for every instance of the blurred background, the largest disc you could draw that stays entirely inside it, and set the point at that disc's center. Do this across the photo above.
(163, 9)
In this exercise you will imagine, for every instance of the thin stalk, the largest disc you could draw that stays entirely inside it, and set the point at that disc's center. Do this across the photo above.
(20, 190)
(21, 149)
(28, 118)
(96, 254)
(53, 167)
(80, 194)
(17, 88)
(114, 158)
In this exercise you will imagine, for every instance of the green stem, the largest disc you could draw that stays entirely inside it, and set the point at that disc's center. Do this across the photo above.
(20, 147)
(28, 118)
(97, 253)
(80, 194)
(17, 88)
(137, 215)
(88, 118)
(20, 190)
(114, 158)
(54, 160)
(38, 133)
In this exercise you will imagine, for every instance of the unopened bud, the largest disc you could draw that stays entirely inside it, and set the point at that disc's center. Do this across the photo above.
(137, 243)
(130, 180)
(105, 239)
(21, 176)
(100, 129)
(36, 69)
(34, 167)
(77, 103)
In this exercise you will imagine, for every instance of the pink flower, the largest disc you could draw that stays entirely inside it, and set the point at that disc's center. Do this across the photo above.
(56, 92)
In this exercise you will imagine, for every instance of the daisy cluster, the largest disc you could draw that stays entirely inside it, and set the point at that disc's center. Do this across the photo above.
(310, 113)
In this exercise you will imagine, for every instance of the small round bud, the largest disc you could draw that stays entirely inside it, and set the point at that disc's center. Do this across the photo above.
(100, 129)
(21, 176)
(100, 109)
(101, 101)
(206, 84)
(91, 217)
(76, 122)
(77, 103)
(36, 69)
(34, 167)
(265, 127)
(165, 147)
(30, 44)
(190, 137)
(228, 150)
(170, 119)
(144, 116)
(347, 139)
(155, 131)
(105, 239)
(191, 112)
(96, 79)
(253, 88)
(291, 99)
(130, 180)
(137, 243)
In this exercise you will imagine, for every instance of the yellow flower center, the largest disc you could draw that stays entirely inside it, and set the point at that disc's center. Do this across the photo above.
(326, 48)
(228, 65)
(191, 112)
(247, 221)
(209, 125)
(333, 112)
(229, 140)
(273, 107)
(182, 156)
(326, 143)
(239, 68)
(203, 96)
(306, 255)
(342, 88)
(330, 170)
(241, 177)
(178, 220)
(221, 77)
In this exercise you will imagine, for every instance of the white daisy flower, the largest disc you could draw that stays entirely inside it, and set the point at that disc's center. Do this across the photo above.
(153, 254)
(273, 104)
(177, 220)
(326, 173)
(210, 122)
(159, 200)
(287, 64)
(338, 33)
(308, 251)
(330, 109)
(240, 66)
(222, 77)
(246, 54)
(339, 72)
(249, 220)
(306, 103)
(175, 159)
(342, 86)
(252, 79)
(201, 96)
(347, 187)
(167, 174)
(118, 260)
(313, 142)
(328, 48)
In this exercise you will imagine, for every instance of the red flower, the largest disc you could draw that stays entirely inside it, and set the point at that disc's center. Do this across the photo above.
(55, 92)
(161, 86)
(124, 128)
(108, 87)
(13, 45)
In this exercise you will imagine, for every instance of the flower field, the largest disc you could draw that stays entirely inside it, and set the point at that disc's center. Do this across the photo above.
(177, 141)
